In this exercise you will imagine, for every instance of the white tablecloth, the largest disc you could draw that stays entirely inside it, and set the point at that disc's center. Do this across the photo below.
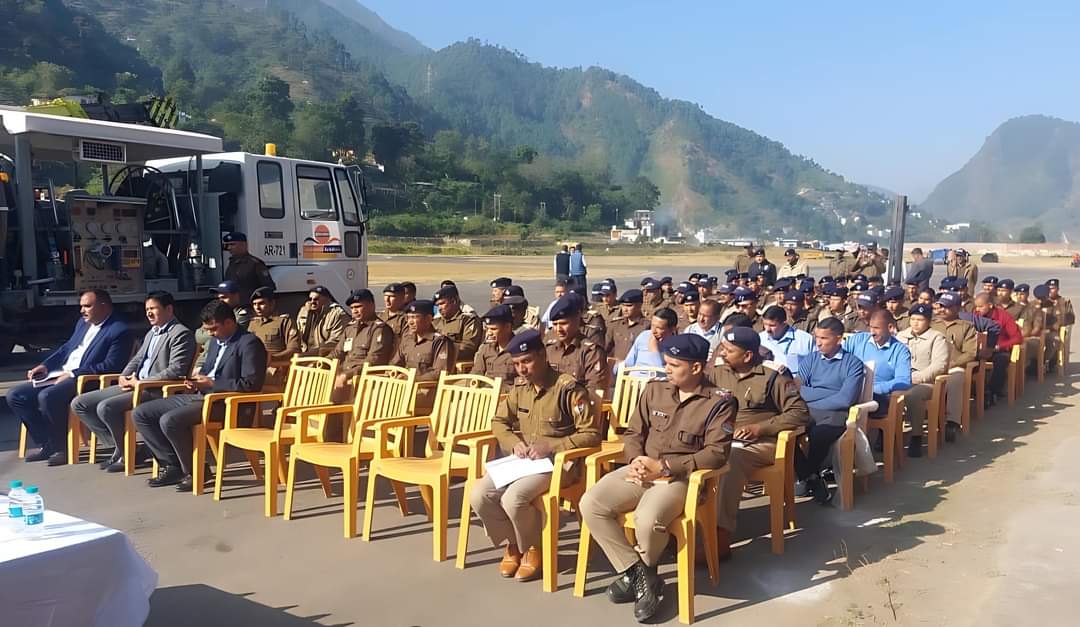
(75, 573)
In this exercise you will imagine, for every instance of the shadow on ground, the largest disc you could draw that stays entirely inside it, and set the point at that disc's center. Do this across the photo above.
(207, 606)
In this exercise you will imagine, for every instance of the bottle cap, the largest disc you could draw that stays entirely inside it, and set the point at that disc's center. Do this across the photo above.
(15, 484)
(32, 489)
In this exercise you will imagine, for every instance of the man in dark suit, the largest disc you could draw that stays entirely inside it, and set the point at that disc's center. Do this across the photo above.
(101, 344)
(165, 355)
(235, 362)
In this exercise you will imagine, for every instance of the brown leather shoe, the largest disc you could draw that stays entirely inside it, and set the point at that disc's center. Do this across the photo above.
(530, 565)
(511, 560)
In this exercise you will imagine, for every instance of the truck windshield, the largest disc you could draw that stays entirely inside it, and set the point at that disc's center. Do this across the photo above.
(350, 209)
(316, 193)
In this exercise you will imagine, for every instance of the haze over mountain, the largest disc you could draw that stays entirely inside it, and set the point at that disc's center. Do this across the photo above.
(1026, 172)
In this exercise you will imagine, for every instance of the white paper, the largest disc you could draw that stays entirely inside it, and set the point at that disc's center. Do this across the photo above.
(506, 470)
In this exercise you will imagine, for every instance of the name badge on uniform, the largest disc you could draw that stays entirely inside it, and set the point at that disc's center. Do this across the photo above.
(659, 413)
(348, 344)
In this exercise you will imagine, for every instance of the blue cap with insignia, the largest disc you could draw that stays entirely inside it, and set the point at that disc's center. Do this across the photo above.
(1053, 283)
(502, 282)
(893, 293)
(631, 296)
(565, 307)
(990, 280)
(922, 309)
(1022, 288)
(421, 306)
(235, 236)
(865, 301)
(726, 288)
(497, 314)
(744, 294)
(793, 297)
(527, 341)
(1006, 283)
(745, 338)
(361, 295)
(686, 346)
(225, 287)
(949, 299)
(1041, 292)
(692, 297)
(651, 285)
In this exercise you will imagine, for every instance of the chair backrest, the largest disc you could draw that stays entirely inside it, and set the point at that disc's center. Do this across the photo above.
(464, 403)
(310, 381)
(980, 341)
(383, 392)
(629, 384)
(867, 393)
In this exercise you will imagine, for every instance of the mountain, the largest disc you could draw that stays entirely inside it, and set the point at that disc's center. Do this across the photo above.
(1026, 172)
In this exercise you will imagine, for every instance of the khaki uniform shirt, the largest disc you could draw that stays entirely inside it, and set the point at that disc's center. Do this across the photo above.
(963, 340)
(1034, 320)
(609, 312)
(585, 361)
(929, 354)
(872, 267)
(249, 273)
(806, 322)
(1062, 311)
(279, 335)
(396, 321)
(364, 341)
(621, 334)
(493, 361)
(689, 434)
(429, 355)
(594, 328)
(464, 330)
(840, 267)
(1016, 310)
(321, 332)
(559, 413)
(650, 305)
(788, 270)
(765, 396)
(903, 319)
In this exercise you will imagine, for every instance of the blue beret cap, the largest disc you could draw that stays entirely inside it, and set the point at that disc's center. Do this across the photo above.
(361, 295)
(527, 341)
(685, 286)
(828, 278)
(840, 291)
(993, 280)
(865, 300)
(631, 296)
(893, 293)
(949, 299)
(235, 236)
(450, 291)
(743, 294)
(726, 288)
(421, 307)
(731, 273)
(745, 338)
(606, 288)
(923, 310)
(564, 308)
(793, 297)
(497, 314)
(651, 285)
(225, 287)
(665, 279)
(1041, 291)
(1053, 283)
(1007, 284)
(692, 297)
(1022, 288)
(394, 288)
(686, 346)
(806, 285)
(646, 280)
(502, 282)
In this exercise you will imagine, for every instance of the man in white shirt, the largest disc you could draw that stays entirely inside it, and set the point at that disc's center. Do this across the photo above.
(100, 344)
(707, 324)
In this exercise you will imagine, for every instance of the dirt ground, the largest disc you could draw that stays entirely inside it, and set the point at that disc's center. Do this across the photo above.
(984, 534)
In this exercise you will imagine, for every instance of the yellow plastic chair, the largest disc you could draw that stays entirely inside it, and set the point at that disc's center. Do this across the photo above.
(1015, 379)
(630, 382)
(700, 510)
(891, 426)
(382, 392)
(76, 436)
(1065, 335)
(935, 415)
(464, 407)
(310, 382)
(778, 480)
(979, 378)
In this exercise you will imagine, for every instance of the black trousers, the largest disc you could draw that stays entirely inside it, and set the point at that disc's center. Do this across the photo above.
(165, 424)
(999, 374)
(821, 438)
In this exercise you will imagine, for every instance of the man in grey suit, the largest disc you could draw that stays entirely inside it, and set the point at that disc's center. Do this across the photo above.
(235, 362)
(165, 355)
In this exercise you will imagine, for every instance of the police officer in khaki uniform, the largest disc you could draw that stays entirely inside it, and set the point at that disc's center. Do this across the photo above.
(493, 360)
(544, 413)
(688, 312)
(245, 270)
(525, 317)
(747, 302)
(593, 326)
(366, 339)
(797, 317)
(894, 303)
(840, 265)
(426, 350)
(627, 326)
(768, 402)
(462, 328)
(963, 348)
(394, 301)
(651, 300)
(682, 424)
(1032, 316)
(1005, 298)
(608, 306)
(228, 293)
(569, 352)
(1062, 307)
(498, 289)
(321, 321)
(745, 258)
(278, 333)
(1052, 323)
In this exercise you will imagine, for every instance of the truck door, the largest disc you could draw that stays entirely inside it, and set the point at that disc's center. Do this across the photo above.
(317, 219)
(274, 234)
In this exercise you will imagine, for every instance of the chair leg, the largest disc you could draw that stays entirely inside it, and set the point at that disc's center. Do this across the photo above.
(198, 459)
(776, 516)
(1010, 385)
(220, 467)
(463, 526)
(550, 542)
(74, 436)
(789, 500)
(22, 441)
(933, 424)
(440, 517)
(888, 438)
(710, 541)
(129, 444)
(426, 495)
(899, 454)
(581, 572)
(686, 545)
(351, 485)
(271, 480)
(324, 478)
(980, 392)
(369, 503)
(399, 494)
(290, 484)
(847, 476)
(256, 465)
(93, 448)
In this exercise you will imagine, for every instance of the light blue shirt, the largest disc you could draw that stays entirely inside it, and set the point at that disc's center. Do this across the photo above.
(892, 362)
(221, 353)
(711, 334)
(789, 347)
(151, 350)
(640, 355)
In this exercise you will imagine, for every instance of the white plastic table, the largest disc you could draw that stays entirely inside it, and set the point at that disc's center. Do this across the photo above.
(75, 573)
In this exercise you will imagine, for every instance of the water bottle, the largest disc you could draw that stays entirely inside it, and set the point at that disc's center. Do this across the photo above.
(33, 507)
(16, 496)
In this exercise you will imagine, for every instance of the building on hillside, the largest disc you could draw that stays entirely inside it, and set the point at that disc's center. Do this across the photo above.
(638, 226)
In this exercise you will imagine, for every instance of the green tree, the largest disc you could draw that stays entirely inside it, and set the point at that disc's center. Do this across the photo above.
(1033, 234)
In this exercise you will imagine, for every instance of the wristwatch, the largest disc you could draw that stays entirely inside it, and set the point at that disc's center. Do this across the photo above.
(665, 470)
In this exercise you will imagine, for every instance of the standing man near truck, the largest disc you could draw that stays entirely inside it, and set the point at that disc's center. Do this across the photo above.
(247, 271)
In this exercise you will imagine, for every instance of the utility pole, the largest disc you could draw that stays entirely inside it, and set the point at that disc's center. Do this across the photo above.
(497, 207)
(896, 243)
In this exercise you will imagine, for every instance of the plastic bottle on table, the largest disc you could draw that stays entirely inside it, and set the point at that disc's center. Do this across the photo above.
(33, 507)
(16, 496)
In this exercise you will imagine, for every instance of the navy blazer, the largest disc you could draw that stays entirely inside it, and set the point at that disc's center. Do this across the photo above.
(243, 366)
(108, 353)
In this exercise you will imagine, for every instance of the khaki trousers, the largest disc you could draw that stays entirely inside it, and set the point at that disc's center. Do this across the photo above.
(955, 397)
(508, 513)
(744, 460)
(917, 397)
(654, 507)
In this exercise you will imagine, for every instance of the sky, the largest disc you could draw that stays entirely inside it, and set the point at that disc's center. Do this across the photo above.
(898, 95)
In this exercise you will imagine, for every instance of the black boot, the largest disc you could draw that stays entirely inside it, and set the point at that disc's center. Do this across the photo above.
(914, 447)
(647, 592)
(822, 494)
(622, 589)
(951, 429)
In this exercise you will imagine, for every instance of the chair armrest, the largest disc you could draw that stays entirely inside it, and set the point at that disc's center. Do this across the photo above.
(699, 480)
(176, 388)
(83, 379)
(208, 402)
(142, 386)
(106, 380)
(468, 440)
(860, 409)
(478, 446)
(302, 413)
(594, 461)
(383, 427)
(785, 442)
(605, 407)
(560, 462)
(233, 400)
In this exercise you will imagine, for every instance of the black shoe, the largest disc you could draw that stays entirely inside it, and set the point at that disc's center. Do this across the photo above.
(647, 592)
(40, 455)
(828, 476)
(143, 456)
(58, 459)
(821, 492)
(879, 443)
(117, 466)
(186, 485)
(168, 475)
(115, 457)
(951, 429)
(622, 589)
(914, 447)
